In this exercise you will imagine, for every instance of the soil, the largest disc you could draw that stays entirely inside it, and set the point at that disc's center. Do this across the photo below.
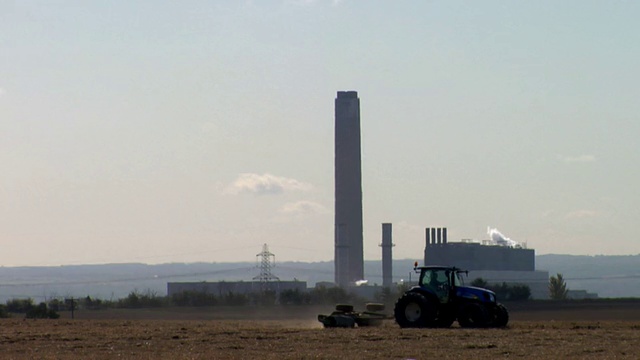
(555, 331)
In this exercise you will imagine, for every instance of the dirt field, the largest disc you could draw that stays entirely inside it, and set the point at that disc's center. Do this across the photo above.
(578, 332)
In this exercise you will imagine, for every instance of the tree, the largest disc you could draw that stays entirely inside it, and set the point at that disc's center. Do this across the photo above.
(557, 287)
(504, 292)
(193, 298)
(233, 299)
(91, 304)
(19, 305)
(3, 311)
(41, 312)
(519, 292)
(137, 299)
(294, 297)
(263, 298)
(480, 282)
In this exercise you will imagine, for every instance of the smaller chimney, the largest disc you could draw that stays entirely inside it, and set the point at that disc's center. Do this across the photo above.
(433, 235)
(444, 235)
(439, 235)
(387, 257)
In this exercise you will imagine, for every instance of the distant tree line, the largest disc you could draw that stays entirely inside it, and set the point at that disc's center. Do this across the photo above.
(321, 295)
(29, 309)
(504, 291)
(149, 299)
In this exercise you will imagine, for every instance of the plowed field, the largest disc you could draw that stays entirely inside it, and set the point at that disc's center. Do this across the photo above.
(295, 334)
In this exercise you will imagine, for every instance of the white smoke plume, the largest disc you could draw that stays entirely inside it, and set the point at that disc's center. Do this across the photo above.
(499, 239)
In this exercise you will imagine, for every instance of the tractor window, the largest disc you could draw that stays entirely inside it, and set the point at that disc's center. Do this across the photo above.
(458, 280)
(434, 277)
(437, 281)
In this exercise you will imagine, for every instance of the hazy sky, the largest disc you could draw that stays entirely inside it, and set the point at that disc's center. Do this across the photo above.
(170, 131)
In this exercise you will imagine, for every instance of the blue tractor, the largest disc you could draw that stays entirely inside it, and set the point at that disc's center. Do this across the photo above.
(440, 298)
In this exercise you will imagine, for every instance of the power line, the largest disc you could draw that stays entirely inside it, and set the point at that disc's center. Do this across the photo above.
(109, 281)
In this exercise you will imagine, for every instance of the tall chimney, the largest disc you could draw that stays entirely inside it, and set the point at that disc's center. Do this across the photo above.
(428, 236)
(348, 190)
(439, 230)
(444, 235)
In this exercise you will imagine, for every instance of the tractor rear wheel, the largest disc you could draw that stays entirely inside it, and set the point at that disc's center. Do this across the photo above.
(501, 316)
(473, 315)
(414, 310)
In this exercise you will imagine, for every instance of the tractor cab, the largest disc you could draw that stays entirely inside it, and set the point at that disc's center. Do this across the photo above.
(440, 281)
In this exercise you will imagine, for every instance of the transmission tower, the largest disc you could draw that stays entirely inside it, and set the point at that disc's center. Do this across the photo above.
(265, 261)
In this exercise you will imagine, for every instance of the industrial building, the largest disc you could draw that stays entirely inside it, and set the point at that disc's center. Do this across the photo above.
(349, 258)
(476, 256)
(223, 288)
(494, 263)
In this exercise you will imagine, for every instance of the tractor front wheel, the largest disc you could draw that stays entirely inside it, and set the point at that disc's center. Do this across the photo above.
(501, 316)
(414, 310)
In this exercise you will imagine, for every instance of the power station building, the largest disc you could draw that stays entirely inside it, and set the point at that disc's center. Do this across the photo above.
(349, 258)
(496, 264)
(476, 256)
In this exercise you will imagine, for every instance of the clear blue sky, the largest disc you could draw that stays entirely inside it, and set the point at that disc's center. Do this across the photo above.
(166, 131)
